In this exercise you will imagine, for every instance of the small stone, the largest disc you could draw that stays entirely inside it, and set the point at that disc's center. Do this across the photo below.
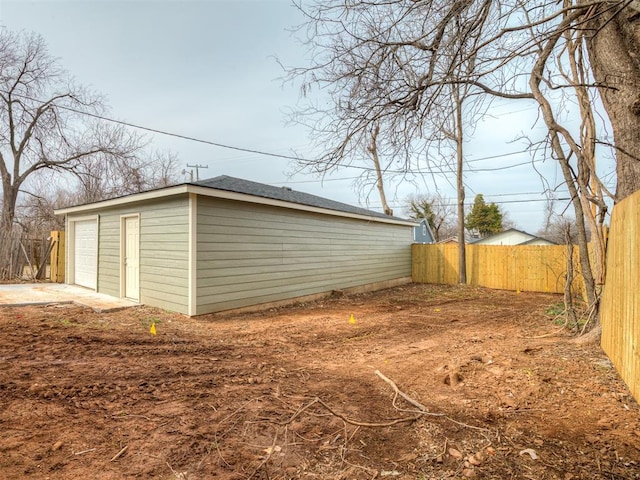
(56, 446)
(455, 453)
(473, 460)
(468, 473)
(531, 452)
(297, 426)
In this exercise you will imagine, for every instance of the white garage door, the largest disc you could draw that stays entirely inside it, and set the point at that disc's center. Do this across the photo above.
(85, 253)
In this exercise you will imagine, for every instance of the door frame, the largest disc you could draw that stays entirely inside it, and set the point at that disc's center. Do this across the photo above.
(70, 267)
(123, 251)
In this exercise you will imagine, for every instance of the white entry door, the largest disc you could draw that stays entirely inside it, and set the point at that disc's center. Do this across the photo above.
(132, 257)
(85, 253)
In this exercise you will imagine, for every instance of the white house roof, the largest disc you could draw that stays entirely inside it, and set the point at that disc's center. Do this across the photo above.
(244, 190)
(512, 236)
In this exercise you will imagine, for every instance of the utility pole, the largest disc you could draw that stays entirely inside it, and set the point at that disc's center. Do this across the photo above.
(197, 167)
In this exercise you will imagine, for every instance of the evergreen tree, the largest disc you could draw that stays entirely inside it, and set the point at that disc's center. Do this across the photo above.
(485, 218)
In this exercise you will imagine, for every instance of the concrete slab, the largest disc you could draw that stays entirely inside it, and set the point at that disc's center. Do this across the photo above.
(16, 295)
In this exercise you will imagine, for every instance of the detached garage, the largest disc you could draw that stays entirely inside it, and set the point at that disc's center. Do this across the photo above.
(228, 243)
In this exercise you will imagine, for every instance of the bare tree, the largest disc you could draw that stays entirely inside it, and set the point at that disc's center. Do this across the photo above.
(560, 64)
(559, 229)
(47, 122)
(97, 179)
(440, 213)
(400, 73)
(396, 63)
(373, 150)
(92, 181)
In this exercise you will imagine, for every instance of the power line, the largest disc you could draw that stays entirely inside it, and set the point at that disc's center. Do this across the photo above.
(499, 202)
(260, 152)
(497, 156)
(164, 132)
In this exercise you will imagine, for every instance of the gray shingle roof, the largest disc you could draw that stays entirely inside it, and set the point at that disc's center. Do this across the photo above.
(238, 185)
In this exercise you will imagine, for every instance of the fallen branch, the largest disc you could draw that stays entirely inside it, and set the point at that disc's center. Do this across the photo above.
(555, 332)
(85, 451)
(119, 454)
(422, 409)
(269, 452)
(397, 392)
(366, 424)
(347, 419)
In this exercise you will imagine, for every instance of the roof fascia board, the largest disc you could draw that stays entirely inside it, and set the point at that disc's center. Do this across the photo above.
(136, 197)
(243, 197)
(224, 194)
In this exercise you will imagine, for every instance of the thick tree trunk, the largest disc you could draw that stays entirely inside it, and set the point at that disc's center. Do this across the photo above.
(9, 196)
(9, 199)
(614, 53)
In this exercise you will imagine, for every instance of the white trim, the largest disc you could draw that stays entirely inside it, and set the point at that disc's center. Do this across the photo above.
(192, 295)
(215, 193)
(136, 197)
(123, 241)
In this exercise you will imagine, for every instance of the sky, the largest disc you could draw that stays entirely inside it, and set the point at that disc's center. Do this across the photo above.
(209, 70)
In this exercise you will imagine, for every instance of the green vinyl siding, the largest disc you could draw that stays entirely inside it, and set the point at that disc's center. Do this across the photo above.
(164, 243)
(249, 254)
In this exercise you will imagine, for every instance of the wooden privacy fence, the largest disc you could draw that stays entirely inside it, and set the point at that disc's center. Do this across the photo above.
(620, 304)
(57, 257)
(23, 256)
(532, 268)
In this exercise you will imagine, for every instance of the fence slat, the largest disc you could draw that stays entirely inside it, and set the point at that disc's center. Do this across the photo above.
(530, 268)
(620, 304)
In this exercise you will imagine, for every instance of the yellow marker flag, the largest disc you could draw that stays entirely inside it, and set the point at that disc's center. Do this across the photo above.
(152, 330)
(352, 319)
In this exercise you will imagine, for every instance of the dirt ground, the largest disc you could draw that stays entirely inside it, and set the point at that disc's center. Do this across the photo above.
(492, 389)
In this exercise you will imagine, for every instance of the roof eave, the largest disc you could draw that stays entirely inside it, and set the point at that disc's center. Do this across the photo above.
(224, 194)
(136, 197)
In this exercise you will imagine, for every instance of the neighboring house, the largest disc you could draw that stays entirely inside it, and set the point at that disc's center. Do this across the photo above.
(422, 232)
(512, 236)
(227, 243)
(449, 240)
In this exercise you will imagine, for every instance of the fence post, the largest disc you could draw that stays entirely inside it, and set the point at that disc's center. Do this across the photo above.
(57, 257)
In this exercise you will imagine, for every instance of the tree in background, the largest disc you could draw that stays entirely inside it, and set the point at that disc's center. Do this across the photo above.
(55, 148)
(395, 62)
(401, 83)
(91, 182)
(49, 123)
(439, 212)
(559, 229)
(96, 180)
(484, 218)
